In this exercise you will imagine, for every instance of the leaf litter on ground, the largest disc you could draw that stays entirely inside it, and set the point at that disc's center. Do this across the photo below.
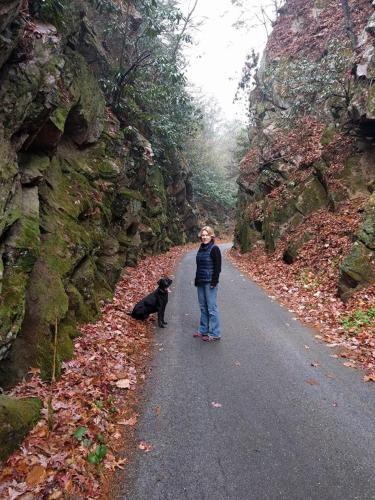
(91, 401)
(308, 287)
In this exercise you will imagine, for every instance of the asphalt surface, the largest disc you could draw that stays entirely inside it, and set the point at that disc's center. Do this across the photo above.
(285, 429)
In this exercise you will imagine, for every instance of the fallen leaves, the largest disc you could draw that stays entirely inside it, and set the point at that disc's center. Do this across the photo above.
(350, 364)
(308, 287)
(146, 447)
(90, 401)
(130, 421)
(36, 475)
(123, 383)
(312, 381)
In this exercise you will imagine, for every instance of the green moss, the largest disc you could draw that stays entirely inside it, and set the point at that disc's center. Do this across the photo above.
(59, 116)
(103, 290)
(244, 238)
(33, 165)
(12, 302)
(131, 194)
(353, 177)
(17, 417)
(107, 169)
(23, 250)
(357, 270)
(62, 251)
(269, 235)
(156, 182)
(27, 234)
(67, 190)
(312, 197)
(366, 233)
(45, 354)
(9, 218)
(175, 234)
(76, 304)
(64, 341)
(87, 93)
(50, 292)
(328, 135)
(45, 350)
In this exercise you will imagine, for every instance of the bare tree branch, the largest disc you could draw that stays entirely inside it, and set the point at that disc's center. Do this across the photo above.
(184, 28)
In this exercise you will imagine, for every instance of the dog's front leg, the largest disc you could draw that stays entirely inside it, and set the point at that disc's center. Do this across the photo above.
(160, 318)
(162, 314)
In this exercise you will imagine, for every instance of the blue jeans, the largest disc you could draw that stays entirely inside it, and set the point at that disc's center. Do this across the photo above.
(210, 321)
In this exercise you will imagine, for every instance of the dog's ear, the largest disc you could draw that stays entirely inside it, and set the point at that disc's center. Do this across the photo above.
(160, 282)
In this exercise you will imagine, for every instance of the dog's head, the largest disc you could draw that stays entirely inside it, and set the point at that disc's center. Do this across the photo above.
(164, 283)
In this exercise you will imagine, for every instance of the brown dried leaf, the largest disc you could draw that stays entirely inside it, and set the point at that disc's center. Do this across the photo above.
(130, 421)
(146, 447)
(312, 381)
(36, 475)
(123, 383)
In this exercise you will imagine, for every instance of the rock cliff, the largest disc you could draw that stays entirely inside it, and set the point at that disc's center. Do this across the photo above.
(312, 134)
(82, 193)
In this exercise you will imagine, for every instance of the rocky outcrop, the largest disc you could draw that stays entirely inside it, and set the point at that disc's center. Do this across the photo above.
(81, 194)
(312, 132)
(358, 268)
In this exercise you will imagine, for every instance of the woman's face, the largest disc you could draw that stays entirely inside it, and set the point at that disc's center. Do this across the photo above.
(205, 237)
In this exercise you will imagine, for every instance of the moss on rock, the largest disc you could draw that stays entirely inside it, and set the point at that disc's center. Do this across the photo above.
(17, 417)
(357, 270)
(244, 238)
(312, 197)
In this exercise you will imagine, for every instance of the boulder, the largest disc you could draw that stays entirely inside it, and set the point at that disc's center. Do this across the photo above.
(17, 417)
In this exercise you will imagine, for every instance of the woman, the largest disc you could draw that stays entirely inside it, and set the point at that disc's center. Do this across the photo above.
(206, 281)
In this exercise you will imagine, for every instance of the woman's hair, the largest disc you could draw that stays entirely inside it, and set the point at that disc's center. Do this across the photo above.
(209, 231)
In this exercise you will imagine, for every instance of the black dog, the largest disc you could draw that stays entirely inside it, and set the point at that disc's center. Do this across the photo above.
(154, 302)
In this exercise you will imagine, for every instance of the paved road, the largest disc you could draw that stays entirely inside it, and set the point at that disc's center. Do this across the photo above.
(285, 430)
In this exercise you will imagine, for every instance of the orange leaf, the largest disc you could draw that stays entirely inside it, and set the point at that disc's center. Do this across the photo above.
(36, 475)
(312, 381)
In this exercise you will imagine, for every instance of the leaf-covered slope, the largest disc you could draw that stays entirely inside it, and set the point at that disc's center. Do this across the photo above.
(312, 134)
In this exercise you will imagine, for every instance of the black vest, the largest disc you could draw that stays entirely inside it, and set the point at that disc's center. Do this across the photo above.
(205, 265)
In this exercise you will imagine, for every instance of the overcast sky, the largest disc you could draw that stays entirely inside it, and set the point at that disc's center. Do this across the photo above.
(217, 56)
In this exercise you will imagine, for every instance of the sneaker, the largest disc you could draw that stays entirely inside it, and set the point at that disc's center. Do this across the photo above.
(210, 338)
(199, 334)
